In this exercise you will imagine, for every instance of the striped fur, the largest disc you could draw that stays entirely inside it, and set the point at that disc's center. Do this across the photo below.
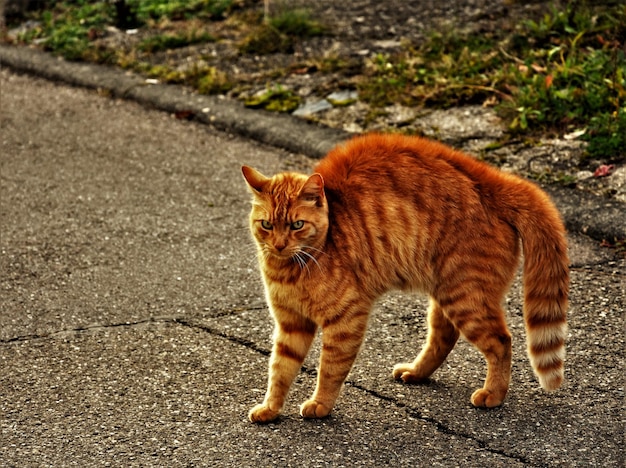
(393, 212)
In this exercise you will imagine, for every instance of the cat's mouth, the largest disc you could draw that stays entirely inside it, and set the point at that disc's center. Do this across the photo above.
(297, 256)
(286, 255)
(283, 254)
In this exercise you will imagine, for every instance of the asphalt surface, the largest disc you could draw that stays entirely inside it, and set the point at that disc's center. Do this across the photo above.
(133, 329)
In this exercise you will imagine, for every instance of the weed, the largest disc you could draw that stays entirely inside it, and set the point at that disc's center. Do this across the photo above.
(181, 9)
(607, 136)
(70, 31)
(173, 41)
(389, 82)
(266, 39)
(572, 75)
(206, 79)
(334, 63)
(71, 28)
(445, 71)
(275, 99)
(296, 23)
(280, 32)
(213, 81)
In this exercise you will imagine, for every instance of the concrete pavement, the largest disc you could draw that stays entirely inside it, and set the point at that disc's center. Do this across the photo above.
(133, 330)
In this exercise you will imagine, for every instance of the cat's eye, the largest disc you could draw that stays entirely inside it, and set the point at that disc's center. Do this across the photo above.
(297, 225)
(265, 224)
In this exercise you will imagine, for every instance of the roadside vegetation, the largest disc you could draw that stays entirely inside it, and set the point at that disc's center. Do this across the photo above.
(563, 73)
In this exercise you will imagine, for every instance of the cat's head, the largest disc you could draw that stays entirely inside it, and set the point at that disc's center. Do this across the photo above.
(289, 217)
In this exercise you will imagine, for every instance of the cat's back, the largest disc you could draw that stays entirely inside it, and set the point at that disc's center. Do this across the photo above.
(367, 157)
(402, 165)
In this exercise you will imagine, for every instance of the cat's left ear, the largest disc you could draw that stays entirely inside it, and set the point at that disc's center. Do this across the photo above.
(255, 179)
(313, 190)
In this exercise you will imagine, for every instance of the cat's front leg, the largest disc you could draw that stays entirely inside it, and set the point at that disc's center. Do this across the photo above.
(341, 340)
(293, 336)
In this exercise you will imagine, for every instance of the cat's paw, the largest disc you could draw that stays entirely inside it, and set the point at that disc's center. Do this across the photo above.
(262, 414)
(312, 409)
(407, 373)
(483, 398)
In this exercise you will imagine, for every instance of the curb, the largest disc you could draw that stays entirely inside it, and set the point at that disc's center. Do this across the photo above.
(596, 217)
(278, 130)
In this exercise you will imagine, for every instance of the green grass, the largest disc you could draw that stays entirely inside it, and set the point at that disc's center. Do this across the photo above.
(562, 73)
(70, 27)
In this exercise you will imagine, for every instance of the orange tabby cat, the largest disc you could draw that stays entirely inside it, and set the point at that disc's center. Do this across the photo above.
(390, 211)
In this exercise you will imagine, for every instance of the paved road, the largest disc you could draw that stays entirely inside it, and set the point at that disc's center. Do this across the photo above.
(133, 330)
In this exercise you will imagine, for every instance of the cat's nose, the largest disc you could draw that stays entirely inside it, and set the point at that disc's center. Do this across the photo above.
(280, 247)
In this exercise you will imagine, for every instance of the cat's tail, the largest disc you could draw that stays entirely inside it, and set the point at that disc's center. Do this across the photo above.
(546, 282)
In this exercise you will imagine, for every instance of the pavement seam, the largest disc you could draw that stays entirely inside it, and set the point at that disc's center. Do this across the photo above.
(438, 425)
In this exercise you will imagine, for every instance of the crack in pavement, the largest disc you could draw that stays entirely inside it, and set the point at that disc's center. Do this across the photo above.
(39, 336)
(156, 319)
(439, 426)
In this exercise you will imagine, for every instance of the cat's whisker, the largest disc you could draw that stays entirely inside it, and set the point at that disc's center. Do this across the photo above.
(302, 262)
(311, 257)
(315, 249)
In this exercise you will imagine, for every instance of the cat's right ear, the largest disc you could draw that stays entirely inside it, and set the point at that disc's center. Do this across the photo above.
(255, 179)
(313, 190)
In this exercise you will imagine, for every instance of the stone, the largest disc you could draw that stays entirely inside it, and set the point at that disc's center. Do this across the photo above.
(312, 107)
(342, 98)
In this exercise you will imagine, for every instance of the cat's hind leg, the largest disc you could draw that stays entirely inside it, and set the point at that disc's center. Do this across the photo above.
(488, 332)
(441, 338)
